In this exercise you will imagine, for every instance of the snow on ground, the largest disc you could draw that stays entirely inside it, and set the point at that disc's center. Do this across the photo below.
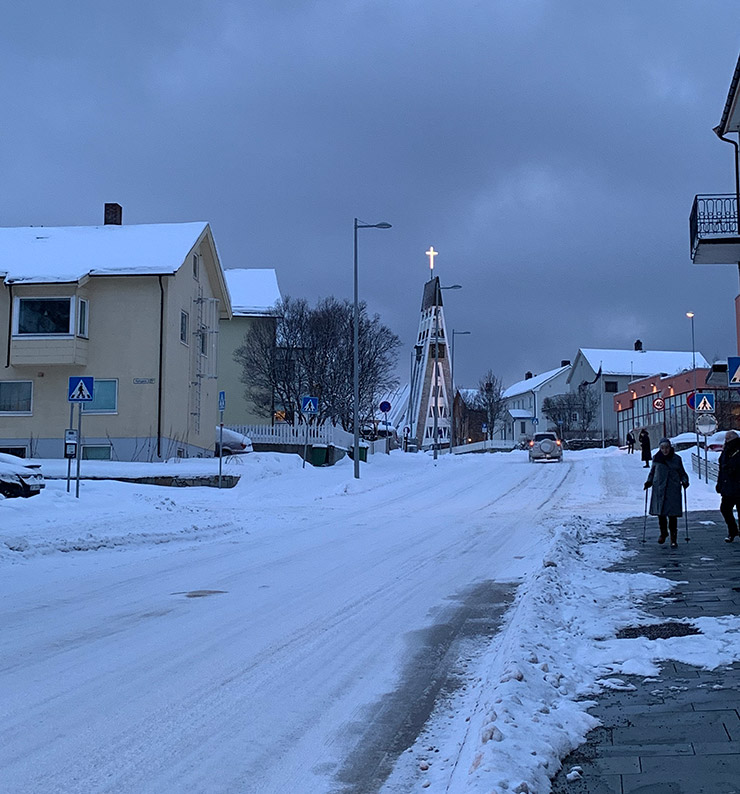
(162, 639)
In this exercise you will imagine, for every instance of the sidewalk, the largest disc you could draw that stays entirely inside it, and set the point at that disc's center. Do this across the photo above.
(681, 733)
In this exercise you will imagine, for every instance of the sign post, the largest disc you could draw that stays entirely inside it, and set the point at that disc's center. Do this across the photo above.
(385, 406)
(221, 409)
(80, 390)
(310, 406)
(706, 424)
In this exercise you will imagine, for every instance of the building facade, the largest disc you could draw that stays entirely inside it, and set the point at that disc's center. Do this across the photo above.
(135, 307)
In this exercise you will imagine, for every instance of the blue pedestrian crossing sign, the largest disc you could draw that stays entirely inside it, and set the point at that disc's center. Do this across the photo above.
(309, 405)
(705, 402)
(222, 401)
(81, 389)
(733, 372)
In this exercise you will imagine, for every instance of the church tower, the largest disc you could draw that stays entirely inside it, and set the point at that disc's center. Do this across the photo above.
(431, 380)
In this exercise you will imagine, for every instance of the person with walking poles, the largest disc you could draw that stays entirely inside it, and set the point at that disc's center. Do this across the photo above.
(647, 454)
(728, 483)
(630, 442)
(667, 476)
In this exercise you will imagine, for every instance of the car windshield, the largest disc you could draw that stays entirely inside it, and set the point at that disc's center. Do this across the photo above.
(544, 436)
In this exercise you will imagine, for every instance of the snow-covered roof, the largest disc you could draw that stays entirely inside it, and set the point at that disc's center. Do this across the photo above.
(254, 291)
(519, 413)
(44, 254)
(641, 362)
(399, 400)
(531, 384)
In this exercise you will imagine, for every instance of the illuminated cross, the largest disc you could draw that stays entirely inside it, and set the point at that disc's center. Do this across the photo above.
(431, 253)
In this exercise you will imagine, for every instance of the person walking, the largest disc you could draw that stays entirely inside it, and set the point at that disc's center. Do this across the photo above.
(630, 442)
(667, 476)
(728, 483)
(647, 454)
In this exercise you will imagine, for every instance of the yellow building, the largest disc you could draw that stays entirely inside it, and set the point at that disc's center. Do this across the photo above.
(137, 308)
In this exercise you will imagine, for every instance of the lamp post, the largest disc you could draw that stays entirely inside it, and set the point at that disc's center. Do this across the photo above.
(435, 440)
(690, 315)
(356, 346)
(452, 378)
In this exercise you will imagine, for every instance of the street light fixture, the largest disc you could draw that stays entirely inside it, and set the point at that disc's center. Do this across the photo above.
(435, 440)
(356, 345)
(452, 378)
(690, 315)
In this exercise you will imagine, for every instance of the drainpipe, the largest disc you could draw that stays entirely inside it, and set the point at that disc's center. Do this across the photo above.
(718, 133)
(10, 324)
(161, 367)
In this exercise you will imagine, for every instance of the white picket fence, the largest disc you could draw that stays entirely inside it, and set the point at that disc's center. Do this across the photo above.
(296, 434)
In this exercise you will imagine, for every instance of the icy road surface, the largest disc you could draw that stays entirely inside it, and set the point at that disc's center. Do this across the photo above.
(194, 640)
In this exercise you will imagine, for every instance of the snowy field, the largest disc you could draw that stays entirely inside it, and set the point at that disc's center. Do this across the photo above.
(244, 640)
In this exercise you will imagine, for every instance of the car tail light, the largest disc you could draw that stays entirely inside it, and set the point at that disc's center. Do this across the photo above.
(558, 442)
(531, 443)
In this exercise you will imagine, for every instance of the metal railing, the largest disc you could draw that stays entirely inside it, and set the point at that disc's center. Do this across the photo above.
(713, 216)
(712, 468)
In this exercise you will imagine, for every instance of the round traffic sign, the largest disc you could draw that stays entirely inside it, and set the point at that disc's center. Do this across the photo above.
(706, 424)
(385, 406)
(690, 400)
(659, 403)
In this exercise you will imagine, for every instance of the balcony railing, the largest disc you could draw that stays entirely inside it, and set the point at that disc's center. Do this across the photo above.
(713, 217)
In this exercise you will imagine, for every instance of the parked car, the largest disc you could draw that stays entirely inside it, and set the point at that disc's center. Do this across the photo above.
(716, 442)
(545, 446)
(19, 478)
(234, 443)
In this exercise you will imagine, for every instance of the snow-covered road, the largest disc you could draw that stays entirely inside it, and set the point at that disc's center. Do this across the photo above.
(235, 641)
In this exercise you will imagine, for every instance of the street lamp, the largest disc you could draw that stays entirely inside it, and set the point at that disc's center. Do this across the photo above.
(356, 347)
(436, 364)
(690, 315)
(452, 378)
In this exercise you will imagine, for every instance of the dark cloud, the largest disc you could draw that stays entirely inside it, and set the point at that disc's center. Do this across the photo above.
(549, 150)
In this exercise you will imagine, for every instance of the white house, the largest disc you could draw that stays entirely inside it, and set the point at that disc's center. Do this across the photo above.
(523, 401)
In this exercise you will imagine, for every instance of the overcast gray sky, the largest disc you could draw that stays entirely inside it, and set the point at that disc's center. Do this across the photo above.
(548, 149)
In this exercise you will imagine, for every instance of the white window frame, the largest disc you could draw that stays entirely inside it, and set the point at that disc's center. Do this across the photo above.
(19, 413)
(196, 267)
(185, 340)
(101, 411)
(83, 318)
(17, 315)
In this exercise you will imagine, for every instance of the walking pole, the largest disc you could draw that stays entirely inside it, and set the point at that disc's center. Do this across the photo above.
(644, 523)
(686, 514)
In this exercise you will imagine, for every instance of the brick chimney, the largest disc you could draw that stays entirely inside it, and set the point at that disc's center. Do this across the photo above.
(638, 344)
(527, 375)
(113, 214)
(565, 362)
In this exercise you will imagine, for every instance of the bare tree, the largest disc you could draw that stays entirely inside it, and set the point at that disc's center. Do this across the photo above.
(310, 352)
(562, 410)
(587, 403)
(490, 399)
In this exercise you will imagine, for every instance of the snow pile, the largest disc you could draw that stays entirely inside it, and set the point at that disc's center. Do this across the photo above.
(528, 708)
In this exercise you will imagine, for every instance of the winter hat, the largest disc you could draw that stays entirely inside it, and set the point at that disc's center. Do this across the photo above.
(665, 441)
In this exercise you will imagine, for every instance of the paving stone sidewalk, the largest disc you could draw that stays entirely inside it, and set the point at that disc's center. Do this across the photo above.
(681, 733)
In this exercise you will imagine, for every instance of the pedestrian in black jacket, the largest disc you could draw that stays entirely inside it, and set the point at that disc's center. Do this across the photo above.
(647, 454)
(630, 442)
(666, 478)
(728, 483)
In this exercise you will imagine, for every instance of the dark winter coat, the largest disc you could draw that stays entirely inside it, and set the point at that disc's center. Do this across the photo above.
(644, 438)
(666, 477)
(728, 479)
